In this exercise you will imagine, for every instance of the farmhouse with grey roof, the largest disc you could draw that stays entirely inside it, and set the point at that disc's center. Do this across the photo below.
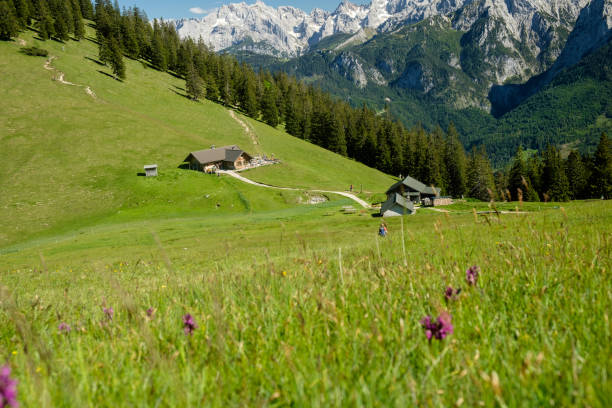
(218, 158)
(403, 195)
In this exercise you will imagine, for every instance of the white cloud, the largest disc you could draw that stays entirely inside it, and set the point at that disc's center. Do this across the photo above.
(198, 10)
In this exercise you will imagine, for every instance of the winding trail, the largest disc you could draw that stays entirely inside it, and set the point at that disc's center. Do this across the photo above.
(249, 132)
(255, 183)
(59, 76)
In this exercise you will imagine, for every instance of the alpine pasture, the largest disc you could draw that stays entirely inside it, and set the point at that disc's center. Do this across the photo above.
(195, 290)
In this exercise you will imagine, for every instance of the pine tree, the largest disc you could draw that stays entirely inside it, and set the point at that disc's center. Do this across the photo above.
(194, 85)
(250, 97)
(158, 52)
(480, 181)
(554, 181)
(601, 177)
(86, 9)
(518, 179)
(455, 163)
(79, 27)
(576, 176)
(269, 110)
(23, 12)
(62, 20)
(337, 142)
(116, 58)
(45, 23)
(128, 35)
(212, 91)
(9, 25)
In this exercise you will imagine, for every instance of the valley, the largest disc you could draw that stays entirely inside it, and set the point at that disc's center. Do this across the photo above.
(273, 286)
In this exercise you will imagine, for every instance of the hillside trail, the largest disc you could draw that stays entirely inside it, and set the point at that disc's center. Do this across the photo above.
(247, 129)
(60, 77)
(255, 183)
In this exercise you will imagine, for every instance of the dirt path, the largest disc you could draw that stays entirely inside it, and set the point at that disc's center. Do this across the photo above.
(255, 183)
(436, 209)
(247, 130)
(59, 76)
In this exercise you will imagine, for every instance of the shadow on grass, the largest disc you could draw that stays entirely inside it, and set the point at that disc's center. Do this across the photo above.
(110, 76)
(141, 174)
(180, 94)
(96, 61)
(93, 40)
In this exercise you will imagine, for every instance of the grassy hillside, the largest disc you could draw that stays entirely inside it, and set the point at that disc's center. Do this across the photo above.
(69, 159)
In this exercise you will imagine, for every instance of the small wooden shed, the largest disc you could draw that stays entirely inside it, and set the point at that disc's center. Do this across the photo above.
(150, 170)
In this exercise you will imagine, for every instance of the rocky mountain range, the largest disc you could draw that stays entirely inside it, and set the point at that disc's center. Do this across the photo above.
(289, 32)
(429, 61)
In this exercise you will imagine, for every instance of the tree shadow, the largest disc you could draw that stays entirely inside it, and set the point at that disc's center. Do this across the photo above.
(180, 94)
(179, 88)
(92, 40)
(110, 76)
(96, 61)
(174, 74)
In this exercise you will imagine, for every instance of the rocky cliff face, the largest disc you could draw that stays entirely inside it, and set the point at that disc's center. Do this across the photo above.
(467, 53)
(592, 30)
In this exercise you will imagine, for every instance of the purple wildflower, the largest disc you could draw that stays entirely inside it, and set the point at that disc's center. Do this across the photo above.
(189, 325)
(8, 388)
(451, 294)
(439, 328)
(64, 328)
(150, 312)
(109, 312)
(471, 275)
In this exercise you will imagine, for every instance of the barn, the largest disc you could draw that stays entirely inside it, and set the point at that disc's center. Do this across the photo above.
(218, 158)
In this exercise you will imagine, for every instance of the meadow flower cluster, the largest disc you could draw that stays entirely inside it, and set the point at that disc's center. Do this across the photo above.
(437, 328)
(471, 275)
(109, 312)
(189, 324)
(451, 294)
(64, 328)
(8, 388)
(442, 326)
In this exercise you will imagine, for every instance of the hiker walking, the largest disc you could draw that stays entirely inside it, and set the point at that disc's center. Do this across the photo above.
(382, 230)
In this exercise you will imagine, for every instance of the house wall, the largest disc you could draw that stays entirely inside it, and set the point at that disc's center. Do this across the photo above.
(442, 201)
(240, 163)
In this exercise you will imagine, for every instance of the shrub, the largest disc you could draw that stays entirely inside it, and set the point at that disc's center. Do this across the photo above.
(35, 51)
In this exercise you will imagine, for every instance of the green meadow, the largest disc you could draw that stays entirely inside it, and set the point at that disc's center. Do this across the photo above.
(295, 304)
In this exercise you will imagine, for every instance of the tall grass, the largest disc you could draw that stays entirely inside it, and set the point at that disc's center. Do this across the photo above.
(281, 324)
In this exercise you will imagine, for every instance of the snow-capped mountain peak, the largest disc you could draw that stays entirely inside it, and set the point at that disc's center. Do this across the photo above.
(288, 31)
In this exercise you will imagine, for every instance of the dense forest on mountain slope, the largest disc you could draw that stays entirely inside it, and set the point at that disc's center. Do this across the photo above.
(375, 139)
(417, 75)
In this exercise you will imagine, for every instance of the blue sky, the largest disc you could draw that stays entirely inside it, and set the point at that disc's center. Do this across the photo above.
(191, 8)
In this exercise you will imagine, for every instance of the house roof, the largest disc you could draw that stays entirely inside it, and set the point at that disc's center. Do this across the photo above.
(217, 154)
(399, 200)
(432, 191)
(413, 184)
